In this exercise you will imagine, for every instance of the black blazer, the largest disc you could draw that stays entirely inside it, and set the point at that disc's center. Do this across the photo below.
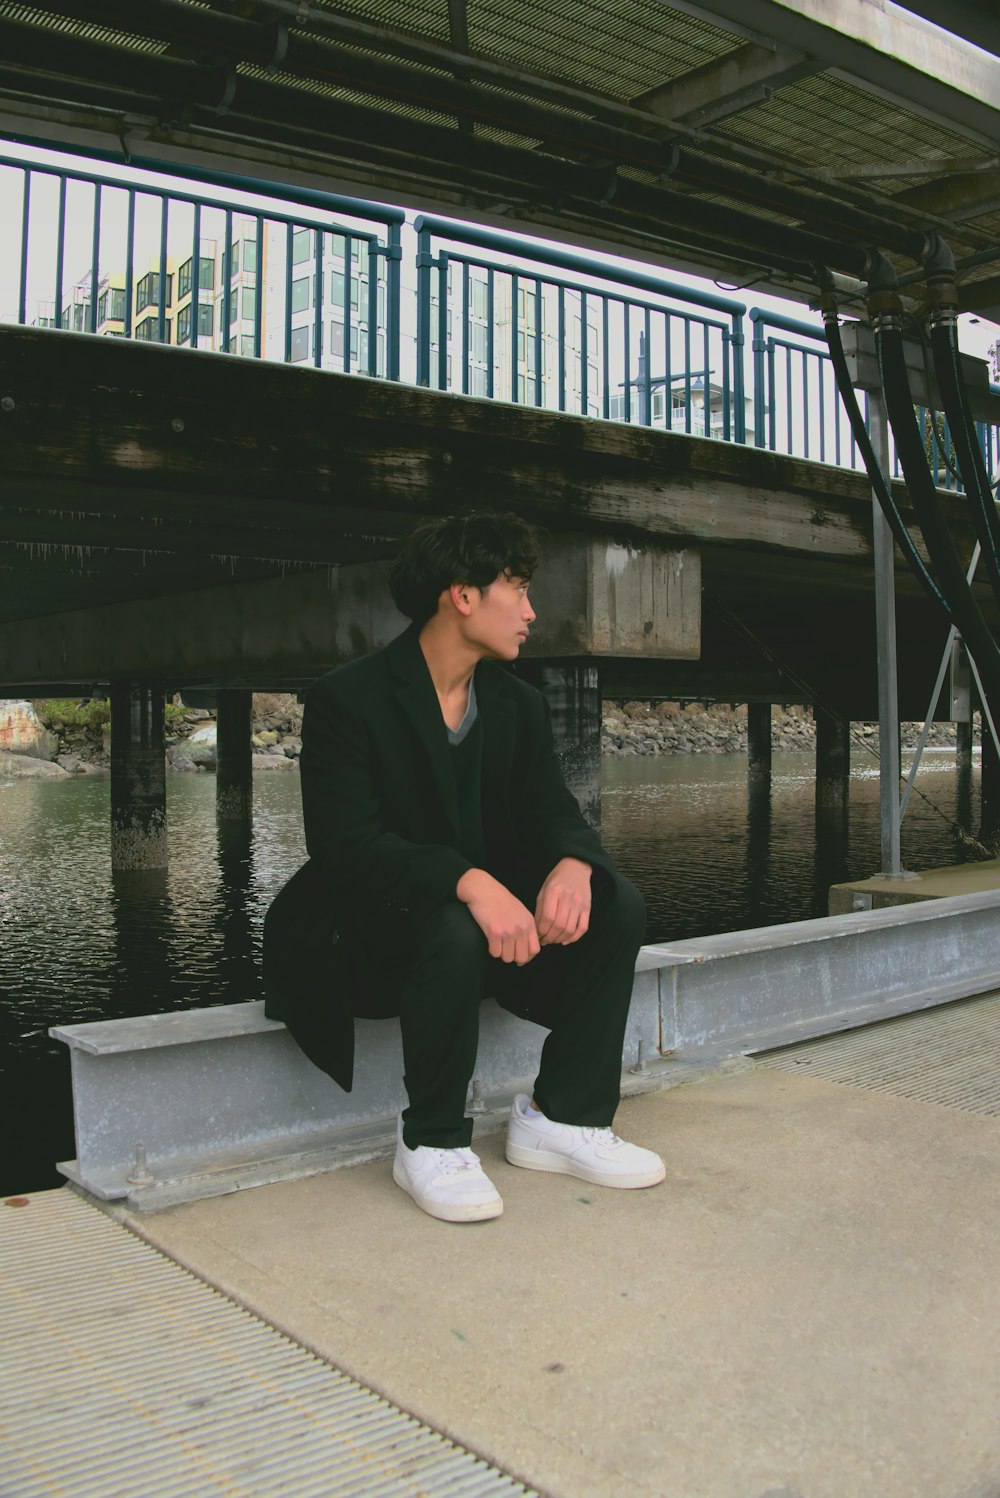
(381, 823)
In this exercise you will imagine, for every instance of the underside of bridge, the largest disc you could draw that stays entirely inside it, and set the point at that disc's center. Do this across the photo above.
(757, 141)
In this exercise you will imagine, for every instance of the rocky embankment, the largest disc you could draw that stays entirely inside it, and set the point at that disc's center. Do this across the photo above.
(43, 740)
(631, 728)
(52, 740)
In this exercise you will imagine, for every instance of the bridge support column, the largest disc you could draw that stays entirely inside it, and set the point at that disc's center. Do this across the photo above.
(138, 776)
(833, 761)
(833, 774)
(574, 697)
(759, 743)
(234, 756)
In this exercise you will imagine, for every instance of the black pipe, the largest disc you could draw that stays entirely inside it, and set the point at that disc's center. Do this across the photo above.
(971, 465)
(881, 487)
(887, 324)
(939, 262)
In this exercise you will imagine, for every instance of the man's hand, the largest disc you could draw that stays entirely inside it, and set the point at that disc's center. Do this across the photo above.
(562, 911)
(508, 926)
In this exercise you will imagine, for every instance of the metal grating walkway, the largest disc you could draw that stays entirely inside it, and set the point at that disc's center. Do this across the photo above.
(121, 1374)
(948, 1055)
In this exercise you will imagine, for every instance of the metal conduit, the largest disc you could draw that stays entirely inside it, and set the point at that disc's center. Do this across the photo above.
(881, 487)
(886, 313)
(940, 265)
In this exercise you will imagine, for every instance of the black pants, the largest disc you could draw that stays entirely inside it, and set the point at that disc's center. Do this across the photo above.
(580, 993)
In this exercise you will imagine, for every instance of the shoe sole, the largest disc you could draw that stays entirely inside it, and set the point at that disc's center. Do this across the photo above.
(532, 1159)
(468, 1212)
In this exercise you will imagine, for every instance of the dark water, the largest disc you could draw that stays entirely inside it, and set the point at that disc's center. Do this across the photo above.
(76, 944)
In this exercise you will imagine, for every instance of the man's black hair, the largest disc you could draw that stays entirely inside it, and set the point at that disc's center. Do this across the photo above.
(473, 549)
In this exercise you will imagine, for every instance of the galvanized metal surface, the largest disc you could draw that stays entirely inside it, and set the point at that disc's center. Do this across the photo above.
(222, 1098)
(948, 1055)
(122, 1374)
(754, 990)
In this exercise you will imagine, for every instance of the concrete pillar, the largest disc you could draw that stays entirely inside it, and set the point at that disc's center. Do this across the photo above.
(574, 697)
(758, 862)
(138, 778)
(759, 742)
(833, 771)
(833, 761)
(234, 756)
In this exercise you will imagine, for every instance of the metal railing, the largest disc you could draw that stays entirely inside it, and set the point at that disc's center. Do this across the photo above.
(321, 279)
(513, 329)
(798, 410)
(165, 265)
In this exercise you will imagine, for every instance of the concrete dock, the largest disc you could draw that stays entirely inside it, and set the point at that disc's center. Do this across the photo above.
(883, 890)
(809, 1307)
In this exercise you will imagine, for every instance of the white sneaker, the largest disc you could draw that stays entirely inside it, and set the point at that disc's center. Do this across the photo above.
(594, 1155)
(450, 1184)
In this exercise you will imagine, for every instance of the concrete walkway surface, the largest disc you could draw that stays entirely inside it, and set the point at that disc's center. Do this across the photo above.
(809, 1307)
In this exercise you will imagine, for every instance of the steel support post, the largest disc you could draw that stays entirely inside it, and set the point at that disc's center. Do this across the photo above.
(759, 742)
(234, 756)
(138, 776)
(885, 635)
(574, 697)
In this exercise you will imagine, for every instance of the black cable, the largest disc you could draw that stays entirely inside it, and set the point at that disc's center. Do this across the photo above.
(881, 487)
(947, 564)
(971, 464)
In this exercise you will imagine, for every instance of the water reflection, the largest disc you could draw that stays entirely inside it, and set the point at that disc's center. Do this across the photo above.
(758, 850)
(240, 970)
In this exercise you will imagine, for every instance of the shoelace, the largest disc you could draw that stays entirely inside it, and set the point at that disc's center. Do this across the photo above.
(601, 1136)
(452, 1162)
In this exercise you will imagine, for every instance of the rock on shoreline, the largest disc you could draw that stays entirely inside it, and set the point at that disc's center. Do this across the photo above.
(646, 728)
(628, 728)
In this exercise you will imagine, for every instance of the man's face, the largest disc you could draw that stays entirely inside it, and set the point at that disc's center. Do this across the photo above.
(499, 618)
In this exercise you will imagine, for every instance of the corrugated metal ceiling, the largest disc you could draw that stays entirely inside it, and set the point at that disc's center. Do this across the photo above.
(532, 70)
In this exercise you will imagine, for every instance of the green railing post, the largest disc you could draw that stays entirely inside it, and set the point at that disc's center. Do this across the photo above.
(425, 265)
(393, 257)
(739, 379)
(759, 347)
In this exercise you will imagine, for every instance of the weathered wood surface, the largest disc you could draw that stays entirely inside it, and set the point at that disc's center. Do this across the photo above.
(131, 474)
(112, 443)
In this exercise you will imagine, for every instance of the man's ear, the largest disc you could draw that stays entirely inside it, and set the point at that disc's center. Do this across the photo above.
(460, 597)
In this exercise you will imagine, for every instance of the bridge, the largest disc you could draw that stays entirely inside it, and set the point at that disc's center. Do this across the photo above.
(173, 518)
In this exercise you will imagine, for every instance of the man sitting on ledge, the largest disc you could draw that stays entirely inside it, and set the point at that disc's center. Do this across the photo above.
(447, 861)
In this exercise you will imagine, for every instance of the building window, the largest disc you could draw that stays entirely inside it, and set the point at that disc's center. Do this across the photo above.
(337, 340)
(111, 306)
(148, 330)
(248, 303)
(206, 276)
(247, 345)
(234, 258)
(206, 323)
(301, 294)
(300, 344)
(337, 290)
(302, 246)
(249, 254)
(147, 293)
